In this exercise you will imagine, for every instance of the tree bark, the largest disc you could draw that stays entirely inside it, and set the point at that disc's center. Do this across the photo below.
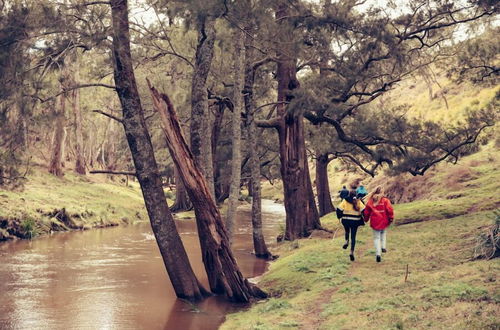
(59, 139)
(169, 242)
(223, 272)
(239, 76)
(219, 185)
(301, 211)
(322, 185)
(200, 116)
(182, 202)
(259, 243)
(75, 100)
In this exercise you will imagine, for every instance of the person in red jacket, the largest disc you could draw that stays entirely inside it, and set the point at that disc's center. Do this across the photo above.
(380, 213)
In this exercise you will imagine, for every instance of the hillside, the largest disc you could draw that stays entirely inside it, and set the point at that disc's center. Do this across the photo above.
(429, 278)
(48, 204)
(315, 286)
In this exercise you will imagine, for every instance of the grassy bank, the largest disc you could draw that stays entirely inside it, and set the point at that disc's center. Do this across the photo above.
(48, 203)
(314, 285)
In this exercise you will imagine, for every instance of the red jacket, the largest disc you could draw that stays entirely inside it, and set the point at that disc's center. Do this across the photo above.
(380, 215)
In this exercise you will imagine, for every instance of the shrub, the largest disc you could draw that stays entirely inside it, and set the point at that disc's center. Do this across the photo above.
(28, 226)
(488, 242)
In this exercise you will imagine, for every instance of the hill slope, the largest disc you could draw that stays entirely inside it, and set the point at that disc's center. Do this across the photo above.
(48, 203)
(315, 286)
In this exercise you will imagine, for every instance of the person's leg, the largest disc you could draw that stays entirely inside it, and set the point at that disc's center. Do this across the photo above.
(346, 228)
(354, 230)
(382, 240)
(376, 241)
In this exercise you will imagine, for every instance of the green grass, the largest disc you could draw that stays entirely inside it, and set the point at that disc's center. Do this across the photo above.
(314, 286)
(89, 201)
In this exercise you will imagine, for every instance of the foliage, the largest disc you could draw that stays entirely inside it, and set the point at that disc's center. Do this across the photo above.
(28, 225)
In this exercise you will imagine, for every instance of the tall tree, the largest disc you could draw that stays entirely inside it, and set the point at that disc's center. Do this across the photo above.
(77, 119)
(59, 137)
(172, 250)
(239, 76)
(200, 116)
(259, 244)
(301, 211)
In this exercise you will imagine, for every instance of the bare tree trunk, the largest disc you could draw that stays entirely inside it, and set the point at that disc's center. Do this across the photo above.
(75, 98)
(216, 128)
(59, 139)
(301, 212)
(182, 202)
(239, 76)
(223, 272)
(322, 185)
(181, 274)
(259, 243)
(200, 116)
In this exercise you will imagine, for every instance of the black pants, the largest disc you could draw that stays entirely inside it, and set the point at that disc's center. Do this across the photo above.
(351, 226)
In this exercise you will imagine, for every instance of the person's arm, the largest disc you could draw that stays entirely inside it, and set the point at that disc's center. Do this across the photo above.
(340, 209)
(389, 210)
(367, 212)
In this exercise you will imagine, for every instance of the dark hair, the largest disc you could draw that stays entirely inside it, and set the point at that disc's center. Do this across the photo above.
(353, 200)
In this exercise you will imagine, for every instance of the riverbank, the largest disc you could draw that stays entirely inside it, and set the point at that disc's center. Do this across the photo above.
(313, 284)
(48, 204)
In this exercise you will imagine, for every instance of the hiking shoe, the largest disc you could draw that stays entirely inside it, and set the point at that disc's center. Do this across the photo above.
(379, 259)
(384, 250)
(345, 245)
(351, 256)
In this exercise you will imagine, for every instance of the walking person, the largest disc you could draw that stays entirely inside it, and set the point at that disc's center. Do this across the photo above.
(380, 213)
(350, 212)
(361, 192)
(343, 193)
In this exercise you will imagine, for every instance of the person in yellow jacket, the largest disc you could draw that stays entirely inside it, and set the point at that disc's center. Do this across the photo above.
(350, 212)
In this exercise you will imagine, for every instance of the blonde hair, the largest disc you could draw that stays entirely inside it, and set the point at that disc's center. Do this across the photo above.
(377, 194)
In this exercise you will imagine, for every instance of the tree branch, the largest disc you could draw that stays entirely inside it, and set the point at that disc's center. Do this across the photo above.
(109, 115)
(113, 172)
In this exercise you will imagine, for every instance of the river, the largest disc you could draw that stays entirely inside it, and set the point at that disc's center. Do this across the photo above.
(114, 278)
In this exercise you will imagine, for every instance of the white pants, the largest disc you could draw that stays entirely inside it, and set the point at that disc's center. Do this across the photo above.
(379, 240)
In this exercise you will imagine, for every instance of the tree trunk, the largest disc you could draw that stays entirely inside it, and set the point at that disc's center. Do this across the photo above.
(223, 272)
(216, 128)
(259, 243)
(182, 202)
(169, 242)
(239, 76)
(59, 139)
(75, 100)
(301, 212)
(200, 116)
(322, 185)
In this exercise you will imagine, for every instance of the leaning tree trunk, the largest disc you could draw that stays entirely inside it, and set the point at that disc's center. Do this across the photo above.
(322, 184)
(172, 250)
(223, 272)
(259, 243)
(200, 116)
(239, 76)
(59, 139)
(301, 212)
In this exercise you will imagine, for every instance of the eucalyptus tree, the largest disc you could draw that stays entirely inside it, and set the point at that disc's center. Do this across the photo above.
(174, 255)
(366, 51)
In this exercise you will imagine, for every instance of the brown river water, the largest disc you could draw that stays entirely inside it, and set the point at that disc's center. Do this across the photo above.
(114, 278)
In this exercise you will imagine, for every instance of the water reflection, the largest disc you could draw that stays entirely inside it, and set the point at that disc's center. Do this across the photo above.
(113, 279)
